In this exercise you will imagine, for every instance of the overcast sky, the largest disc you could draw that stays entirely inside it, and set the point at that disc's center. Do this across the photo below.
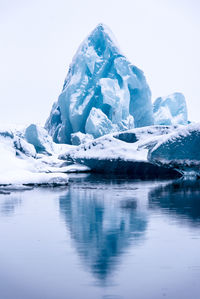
(39, 38)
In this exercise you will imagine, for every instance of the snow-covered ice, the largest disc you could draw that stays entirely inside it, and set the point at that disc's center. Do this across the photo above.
(179, 149)
(21, 165)
(125, 152)
(152, 151)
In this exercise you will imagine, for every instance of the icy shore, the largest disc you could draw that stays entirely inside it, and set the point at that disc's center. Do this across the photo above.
(148, 152)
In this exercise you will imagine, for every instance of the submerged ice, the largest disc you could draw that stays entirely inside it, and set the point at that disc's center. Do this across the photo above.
(103, 92)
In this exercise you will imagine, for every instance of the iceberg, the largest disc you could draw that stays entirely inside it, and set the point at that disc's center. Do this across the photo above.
(170, 110)
(101, 84)
(103, 121)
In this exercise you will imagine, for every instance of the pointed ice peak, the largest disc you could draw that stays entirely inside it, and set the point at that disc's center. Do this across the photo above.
(103, 32)
(104, 29)
(101, 26)
(101, 38)
(95, 50)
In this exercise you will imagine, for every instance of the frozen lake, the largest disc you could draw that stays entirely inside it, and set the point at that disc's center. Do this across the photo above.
(101, 238)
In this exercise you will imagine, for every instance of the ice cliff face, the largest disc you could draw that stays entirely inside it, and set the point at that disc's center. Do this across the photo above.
(103, 92)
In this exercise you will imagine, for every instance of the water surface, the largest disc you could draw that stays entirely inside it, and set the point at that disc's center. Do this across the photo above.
(101, 238)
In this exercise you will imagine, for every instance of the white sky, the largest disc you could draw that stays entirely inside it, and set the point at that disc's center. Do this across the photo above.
(39, 38)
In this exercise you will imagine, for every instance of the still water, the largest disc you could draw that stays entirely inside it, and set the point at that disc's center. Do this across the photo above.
(101, 238)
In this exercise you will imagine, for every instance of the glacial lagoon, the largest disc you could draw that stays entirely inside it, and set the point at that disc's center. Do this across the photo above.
(101, 237)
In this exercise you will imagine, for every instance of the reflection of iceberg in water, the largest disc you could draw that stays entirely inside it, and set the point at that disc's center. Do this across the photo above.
(180, 198)
(103, 221)
(8, 204)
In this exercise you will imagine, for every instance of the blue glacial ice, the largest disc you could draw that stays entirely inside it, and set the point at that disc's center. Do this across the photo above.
(170, 110)
(98, 123)
(39, 138)
(100, 82)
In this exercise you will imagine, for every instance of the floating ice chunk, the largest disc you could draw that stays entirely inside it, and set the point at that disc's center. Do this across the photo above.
(179, 149)
(100, 77)
(39, 137)
(24, 177)
(123, 153)
(170, 110)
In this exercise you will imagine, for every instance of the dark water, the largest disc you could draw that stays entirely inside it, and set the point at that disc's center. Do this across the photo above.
(101, 238)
